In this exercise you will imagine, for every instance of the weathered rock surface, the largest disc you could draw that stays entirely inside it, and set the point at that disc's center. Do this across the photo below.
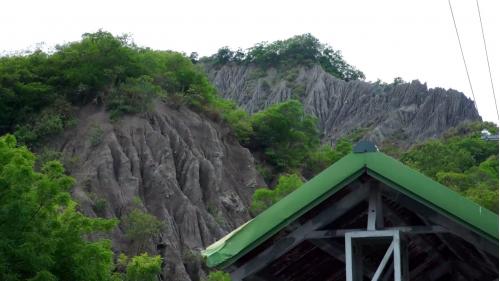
(408, 112)
(186, 170)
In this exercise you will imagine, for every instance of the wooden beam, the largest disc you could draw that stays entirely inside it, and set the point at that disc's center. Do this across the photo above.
(411, 230)
(467, 270)
(375, 212)
(285, 244)
(398, 269)
(436, 273)
(429, 216)
(423, 265)
(353, 239)
(444, 220)
(450, 245)
(488, 260)
(335, 250)
(327, 247)
(256, 278)
(383, 262)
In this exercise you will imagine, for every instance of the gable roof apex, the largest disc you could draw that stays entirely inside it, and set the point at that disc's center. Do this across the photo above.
(378, 165)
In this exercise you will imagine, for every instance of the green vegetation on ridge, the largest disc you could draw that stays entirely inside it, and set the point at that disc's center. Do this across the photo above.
(39, 91)
(298, 50)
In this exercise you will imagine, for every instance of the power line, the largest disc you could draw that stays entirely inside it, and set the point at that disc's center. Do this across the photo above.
(463, 57)
(487, 59)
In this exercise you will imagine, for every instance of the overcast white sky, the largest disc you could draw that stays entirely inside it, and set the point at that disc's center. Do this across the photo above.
(384, 38)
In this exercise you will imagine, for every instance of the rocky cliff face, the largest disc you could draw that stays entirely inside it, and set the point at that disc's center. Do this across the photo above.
(408, 112)
(186, 170)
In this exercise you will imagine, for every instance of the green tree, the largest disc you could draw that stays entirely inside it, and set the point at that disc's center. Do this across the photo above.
(140, 227)
(93, 65)
(143, 268)
(133, 96)
(263, 198)
(461, 161)
(41, 232)
(435, 156)
(219, 276)
(324, 156)
(224, 55)
(237, 118)
(23, 88)
(285, 133)
(48, 122)
(484, 196)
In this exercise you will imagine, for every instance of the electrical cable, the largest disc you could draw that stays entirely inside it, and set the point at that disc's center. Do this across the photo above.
(487, 59)
(462, 52)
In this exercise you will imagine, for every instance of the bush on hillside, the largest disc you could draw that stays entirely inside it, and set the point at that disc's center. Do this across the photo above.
(285, 133)
(324, 156)
(461, 161)
(263, 198)
(133, 96)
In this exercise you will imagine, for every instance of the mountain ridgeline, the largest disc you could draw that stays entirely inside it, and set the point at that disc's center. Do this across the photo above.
(399, 113)
(162, 154)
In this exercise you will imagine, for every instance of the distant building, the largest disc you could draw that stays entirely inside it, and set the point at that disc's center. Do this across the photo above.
(486, 135)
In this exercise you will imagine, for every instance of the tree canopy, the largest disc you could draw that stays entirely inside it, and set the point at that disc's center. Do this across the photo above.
(39, 90)
(264, 197)
(41, 232)
(462, 161)
(302, 49)
(286, 133)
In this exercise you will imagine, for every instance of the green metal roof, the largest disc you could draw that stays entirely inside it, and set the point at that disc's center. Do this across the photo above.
(386, 169)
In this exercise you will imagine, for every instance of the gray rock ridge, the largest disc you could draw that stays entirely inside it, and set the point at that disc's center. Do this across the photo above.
(408, 112)
(188, 171)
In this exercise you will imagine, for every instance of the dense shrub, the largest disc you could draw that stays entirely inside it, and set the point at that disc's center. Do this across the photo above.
(326, 155)
(24, 90)
(91, 67)
(265, 197)
(237, 118)
(143, 268)
(48, 122)
(285, 133)
(96, 135)
(219, 276)
(461, 161)
(133, 96)
(140, 227)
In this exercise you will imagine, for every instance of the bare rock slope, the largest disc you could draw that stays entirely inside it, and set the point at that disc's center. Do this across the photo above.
(408, 112)
(181, 167)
